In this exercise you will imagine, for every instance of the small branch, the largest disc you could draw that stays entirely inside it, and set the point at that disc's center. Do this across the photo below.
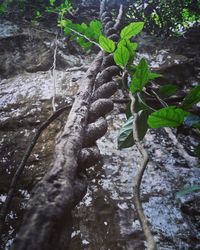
(102, 7)
(139, 97)
(6, 205)
(88, 39)
(121, 101)
(151, 245)
(53, 74)
(81, 68)
(119, 17)
(170, 100)
(164, 104)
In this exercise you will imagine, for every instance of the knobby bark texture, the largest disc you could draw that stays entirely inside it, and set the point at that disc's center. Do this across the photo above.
(47, 223)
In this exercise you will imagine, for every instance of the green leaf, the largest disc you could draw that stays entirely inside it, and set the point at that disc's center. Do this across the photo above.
(125, 138)
(84, 26)
(192, 121)
(168, 90)
(121, 56)
(141, 123)
(167, 117)
(96, 27)
(38, 14)
(83, 43)
(130, 46)
(188, 190)
(131, 30)
(107, 44)
(140, 77)
(2, 8)
(192, 98)
(89, 33)
(153, 76)
(65, 23)
(52, 2)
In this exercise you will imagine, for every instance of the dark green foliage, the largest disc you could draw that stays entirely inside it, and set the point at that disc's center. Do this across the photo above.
(192, 98)
(167, 117)
(37, 9)
(165, 16)
(168, 90)
(86, 35)
(140, 77)
(125, 138)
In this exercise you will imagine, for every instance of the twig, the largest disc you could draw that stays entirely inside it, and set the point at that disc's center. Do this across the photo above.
(140, 98)
(121, 101)
(6, 205)
(151, 245)
(119, 17)
(53, 74)
(102, 7)
(81, 68)
(88, 39)
(159, 99)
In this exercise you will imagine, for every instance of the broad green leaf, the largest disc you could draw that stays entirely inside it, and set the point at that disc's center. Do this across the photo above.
(192, 98)
(188, 190)
(96, 27)
(141, 123)
(131, 30)
(168, 90)
(121, 56)
(130, 46)
(77, 27)
(83, 43)
(84, 26)
(167, 117)
(65, 23)
(153, 76)
(125, 139)
(192, 121)
(51, 2)
(89, 34)
(140, 77)
(107, 44)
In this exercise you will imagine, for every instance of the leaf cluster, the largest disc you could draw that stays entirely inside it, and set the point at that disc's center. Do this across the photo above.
(140, 76)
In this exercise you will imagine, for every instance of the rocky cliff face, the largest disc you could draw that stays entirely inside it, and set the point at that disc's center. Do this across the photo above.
(106, 217)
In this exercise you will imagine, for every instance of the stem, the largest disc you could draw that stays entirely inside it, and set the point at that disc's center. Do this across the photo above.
(139, 97)
(151, 245)
(53, 75)
(159, 99)
(88, 39)
(119, 17)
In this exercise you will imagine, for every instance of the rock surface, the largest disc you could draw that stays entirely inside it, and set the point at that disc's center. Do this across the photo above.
(106, 218)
